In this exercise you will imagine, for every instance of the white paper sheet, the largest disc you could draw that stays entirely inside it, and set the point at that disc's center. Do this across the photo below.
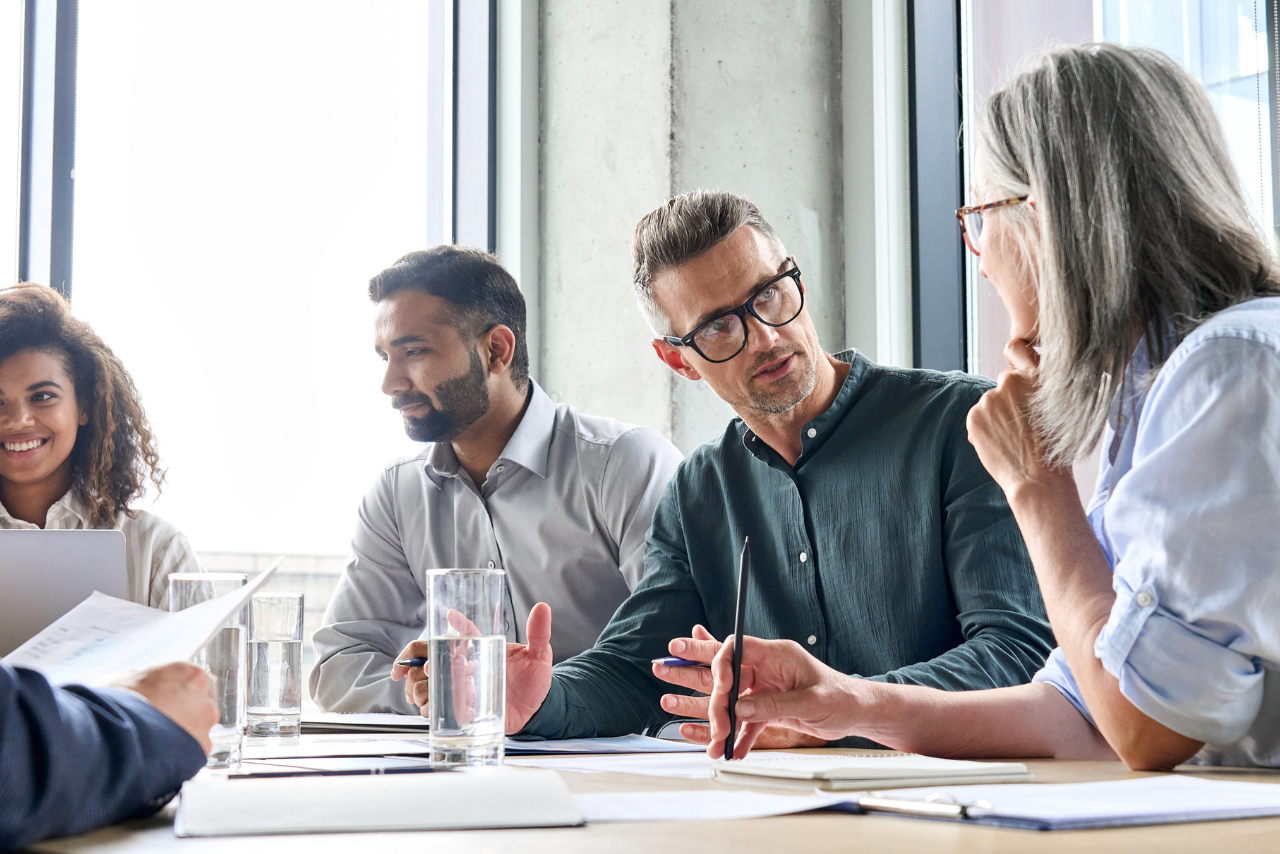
(368, 722)
(308, 746)
(372, 744)
(692, 766)
(615, 744)
(692, 806)
(104, 635)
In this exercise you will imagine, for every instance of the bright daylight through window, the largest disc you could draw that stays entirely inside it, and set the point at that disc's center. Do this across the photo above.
(242, 169)
(1221, 42)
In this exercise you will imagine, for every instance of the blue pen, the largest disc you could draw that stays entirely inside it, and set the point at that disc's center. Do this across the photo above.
(412, 662)
(672, 661)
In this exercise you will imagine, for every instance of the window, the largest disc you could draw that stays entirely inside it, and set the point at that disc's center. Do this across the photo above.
(243, 168)
(1221, 42)
(11, 33)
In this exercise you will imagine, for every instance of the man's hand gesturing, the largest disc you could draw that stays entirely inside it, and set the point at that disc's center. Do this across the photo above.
(529, 669)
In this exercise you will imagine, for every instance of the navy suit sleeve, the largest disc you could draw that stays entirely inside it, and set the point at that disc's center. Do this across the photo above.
(76, 758)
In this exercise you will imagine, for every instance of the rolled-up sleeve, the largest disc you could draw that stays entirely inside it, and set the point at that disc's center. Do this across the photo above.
(1056, 673)
(1195, 526)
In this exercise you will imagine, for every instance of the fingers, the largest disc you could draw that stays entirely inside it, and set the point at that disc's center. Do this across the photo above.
(798, 705)
(538, 629)
(696, 733)
(416, 692)
(685, 707)
(700, 633)
(695, 678)
(416, 649)
(461, 624)
(695, 650)
(1021, 357)
(748, 738)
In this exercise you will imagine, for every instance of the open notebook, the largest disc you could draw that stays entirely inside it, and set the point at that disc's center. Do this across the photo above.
(862, 771)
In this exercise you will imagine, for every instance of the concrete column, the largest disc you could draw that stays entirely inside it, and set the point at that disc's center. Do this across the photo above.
(756, 111)
(606, 123)
(645, 99)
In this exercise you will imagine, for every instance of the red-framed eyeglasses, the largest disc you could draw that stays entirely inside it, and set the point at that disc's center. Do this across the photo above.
(970, 219)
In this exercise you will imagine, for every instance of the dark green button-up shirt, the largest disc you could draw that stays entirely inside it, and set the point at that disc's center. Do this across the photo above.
(887, 551)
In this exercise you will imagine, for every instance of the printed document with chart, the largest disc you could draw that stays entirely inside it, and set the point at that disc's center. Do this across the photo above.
(104, 635)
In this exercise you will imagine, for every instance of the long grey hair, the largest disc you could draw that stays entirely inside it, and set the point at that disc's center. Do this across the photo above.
(1140, 220)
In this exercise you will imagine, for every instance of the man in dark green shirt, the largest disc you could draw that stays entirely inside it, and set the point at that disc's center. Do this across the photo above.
(879, 543)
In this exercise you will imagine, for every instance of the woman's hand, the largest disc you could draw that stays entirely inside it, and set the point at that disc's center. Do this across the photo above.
(781, 684)
(703, 647)
(1000, 427)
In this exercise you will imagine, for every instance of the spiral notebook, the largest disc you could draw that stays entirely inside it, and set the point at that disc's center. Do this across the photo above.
(860, 771)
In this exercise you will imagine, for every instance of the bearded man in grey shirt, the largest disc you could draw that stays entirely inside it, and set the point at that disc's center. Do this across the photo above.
(508, 479)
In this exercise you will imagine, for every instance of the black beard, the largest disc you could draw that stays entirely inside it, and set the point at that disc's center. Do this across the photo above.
(463, 400)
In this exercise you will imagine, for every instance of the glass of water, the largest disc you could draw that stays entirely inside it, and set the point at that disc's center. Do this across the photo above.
(467, 667)
(223, 658)
(275, 664)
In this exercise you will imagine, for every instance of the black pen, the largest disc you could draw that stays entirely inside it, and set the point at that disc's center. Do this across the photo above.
(739, 623)
(412, 662)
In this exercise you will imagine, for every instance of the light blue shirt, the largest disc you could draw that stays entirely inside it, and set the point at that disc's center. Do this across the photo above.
(1187, 511)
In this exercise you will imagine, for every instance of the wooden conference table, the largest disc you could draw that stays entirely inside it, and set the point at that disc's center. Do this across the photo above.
(808, 832)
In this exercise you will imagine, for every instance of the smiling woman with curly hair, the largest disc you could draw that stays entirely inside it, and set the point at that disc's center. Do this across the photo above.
(75, 445)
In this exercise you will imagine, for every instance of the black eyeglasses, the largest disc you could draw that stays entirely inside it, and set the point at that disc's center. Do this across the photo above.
(775, 303)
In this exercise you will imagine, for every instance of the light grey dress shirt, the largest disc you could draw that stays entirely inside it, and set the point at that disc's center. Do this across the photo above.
(564, 510)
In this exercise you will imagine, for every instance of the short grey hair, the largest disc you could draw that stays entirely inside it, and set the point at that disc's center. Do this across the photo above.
(681, 230)
(1140, 220)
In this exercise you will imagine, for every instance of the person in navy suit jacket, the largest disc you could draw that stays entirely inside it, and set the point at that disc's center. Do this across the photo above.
(75, 758)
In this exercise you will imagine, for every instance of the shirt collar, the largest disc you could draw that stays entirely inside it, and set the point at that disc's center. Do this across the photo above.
(825, 423)
(528, 447)
(68, 508)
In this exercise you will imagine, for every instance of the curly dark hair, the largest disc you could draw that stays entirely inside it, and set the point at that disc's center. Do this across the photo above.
(114, 454)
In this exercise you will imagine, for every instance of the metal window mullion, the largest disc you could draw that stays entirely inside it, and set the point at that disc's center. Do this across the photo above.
(936, 184)
(47, 184)
(475, 128)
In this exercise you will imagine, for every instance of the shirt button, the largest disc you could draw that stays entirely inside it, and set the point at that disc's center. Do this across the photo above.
(803, 557)
(813, 639)
(812, 432)
(492, 564)
(1144, 599)
(501, 468)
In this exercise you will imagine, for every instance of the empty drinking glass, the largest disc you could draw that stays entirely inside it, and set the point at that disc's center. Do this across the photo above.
(275, 664)
(223, 658)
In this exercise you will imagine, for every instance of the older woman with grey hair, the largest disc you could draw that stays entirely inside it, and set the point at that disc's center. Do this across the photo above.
(1144, 313)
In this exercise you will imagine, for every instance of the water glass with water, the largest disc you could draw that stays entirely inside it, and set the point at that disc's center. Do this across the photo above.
(223, 658)
(275, 664)
(467, 665)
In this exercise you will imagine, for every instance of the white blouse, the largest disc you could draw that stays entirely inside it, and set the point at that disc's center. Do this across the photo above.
(153, 548)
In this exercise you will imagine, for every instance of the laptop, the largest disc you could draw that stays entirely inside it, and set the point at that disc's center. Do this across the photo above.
(44, 574)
